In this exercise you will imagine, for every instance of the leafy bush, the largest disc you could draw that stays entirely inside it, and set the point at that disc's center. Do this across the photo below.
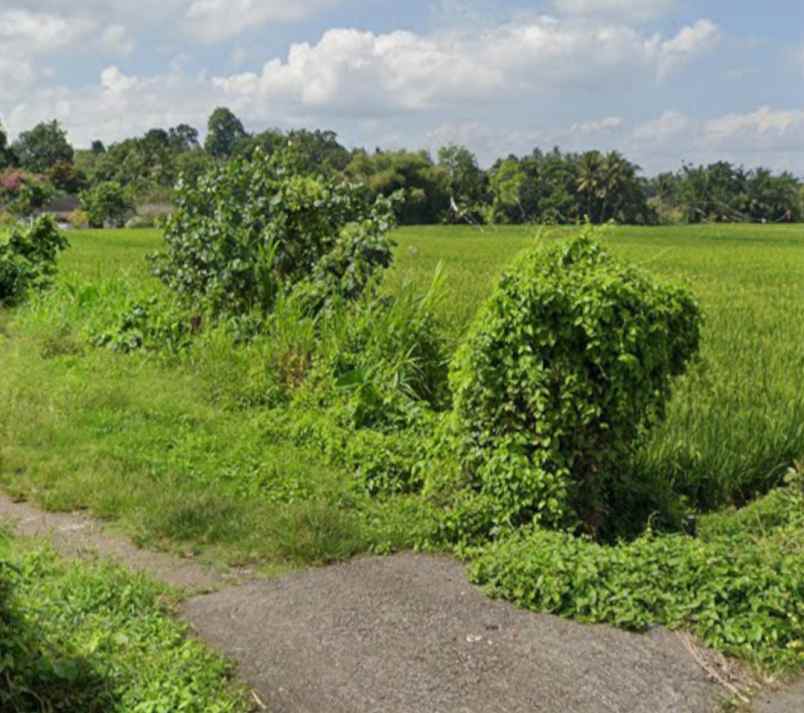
(740, 592)
(106, 203)
(249, 230)
(28, 258)
(566, 366)
(154, 324)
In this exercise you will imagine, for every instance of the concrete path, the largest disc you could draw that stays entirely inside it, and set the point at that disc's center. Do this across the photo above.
(409, 634)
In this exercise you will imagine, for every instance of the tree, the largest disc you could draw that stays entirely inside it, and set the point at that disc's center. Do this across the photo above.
(590, 184)
(98, 147)
(7, 157)
(65, 177)
(43, 146)
(106, 203)
(426, 199)
(224, 131)
(157, 139)
(464, 177)
(268, 142)
(506, 182)
(319, 151)
(183, 138)
(24, 193)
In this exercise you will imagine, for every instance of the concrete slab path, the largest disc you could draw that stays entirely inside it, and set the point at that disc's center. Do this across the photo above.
(407, 634)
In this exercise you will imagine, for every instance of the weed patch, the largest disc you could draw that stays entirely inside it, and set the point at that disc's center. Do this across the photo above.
(91, 637)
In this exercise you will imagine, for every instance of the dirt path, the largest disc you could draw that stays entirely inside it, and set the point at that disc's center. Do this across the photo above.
(407, 634)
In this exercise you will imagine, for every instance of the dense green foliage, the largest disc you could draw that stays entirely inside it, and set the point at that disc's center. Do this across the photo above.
(722, 192)
(224, 131)
(741, 591)
(552, 187)
(314, 439)
(250, 231)
(106, 204)
(7, 157)
(567, 365)
(28, 258)
(23, 193)
(92, 638)
(43, 147)
(423, 185)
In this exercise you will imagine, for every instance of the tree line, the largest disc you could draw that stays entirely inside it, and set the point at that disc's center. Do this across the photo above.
(540, 187)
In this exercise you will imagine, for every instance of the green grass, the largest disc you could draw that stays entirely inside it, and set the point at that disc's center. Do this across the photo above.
(154, 444)
(93, 638)
(182, 451)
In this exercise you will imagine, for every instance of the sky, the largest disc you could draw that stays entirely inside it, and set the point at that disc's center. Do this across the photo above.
(663, 81)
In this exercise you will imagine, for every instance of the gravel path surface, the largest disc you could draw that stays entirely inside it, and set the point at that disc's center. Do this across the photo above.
(407, 634)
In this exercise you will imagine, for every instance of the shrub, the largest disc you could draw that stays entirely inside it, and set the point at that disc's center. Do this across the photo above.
(23, 193)
(569, 362)
(246, 231)
(155, 324)
(740, 591)
(106, 203)
(28, 258)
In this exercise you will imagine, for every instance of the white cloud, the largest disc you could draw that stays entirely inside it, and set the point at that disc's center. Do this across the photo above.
(215, 20)
(609, 123)
(627, 9)
(36, 32)
(766, 136)
(115, 82)
(116, 39)
(118, 106)
(354, 72)
(689, 43)
(15, 76)
(668, 127)
(206, 20)
(760, 130)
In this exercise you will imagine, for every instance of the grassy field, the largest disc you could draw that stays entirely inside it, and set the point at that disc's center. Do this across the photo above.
(735, 424)
(179, 451)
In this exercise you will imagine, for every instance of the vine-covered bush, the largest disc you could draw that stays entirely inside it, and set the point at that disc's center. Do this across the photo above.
(566, 365)
(250, 229)
(28, 258)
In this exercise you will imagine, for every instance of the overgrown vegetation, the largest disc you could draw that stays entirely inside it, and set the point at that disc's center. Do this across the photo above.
(739, 586)
(255, 230)
(565, 368)
(232, 417)
(93, 638)
(28, 258)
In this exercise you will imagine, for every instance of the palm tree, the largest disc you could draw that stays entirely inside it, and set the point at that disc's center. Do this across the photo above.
(589, 181)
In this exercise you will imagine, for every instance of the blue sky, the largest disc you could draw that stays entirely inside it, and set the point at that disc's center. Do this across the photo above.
(664, 81)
